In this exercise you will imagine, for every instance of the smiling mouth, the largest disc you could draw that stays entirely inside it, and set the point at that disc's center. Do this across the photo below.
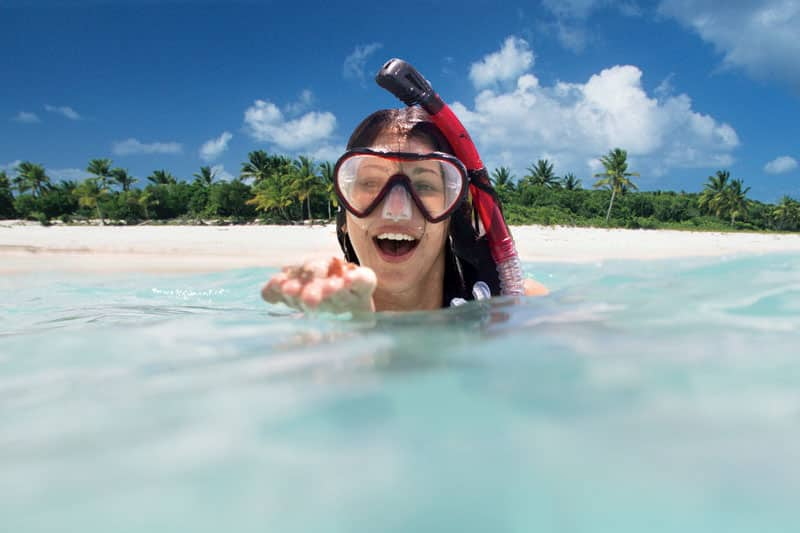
(395, 244)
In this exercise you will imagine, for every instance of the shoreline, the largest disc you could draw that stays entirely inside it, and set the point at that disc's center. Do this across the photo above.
(31, 248)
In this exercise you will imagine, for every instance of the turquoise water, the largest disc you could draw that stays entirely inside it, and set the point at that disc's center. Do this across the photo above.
(640, 396)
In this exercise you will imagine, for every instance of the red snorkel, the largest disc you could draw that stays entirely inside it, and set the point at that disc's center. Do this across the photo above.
(403, 81)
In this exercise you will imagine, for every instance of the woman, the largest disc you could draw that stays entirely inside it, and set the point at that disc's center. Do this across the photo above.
(404, 219)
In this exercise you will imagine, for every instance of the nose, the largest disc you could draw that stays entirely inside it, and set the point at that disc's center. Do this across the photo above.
(397, 205)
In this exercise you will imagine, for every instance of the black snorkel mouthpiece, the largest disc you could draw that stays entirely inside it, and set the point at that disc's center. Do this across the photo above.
(408, 85)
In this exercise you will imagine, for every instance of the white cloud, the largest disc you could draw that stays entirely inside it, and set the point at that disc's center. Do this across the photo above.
(213, 148)
(571, 15)
(304, 101)
(354, 64)
(266, 123)
(573, 123)
(760, 37)
(572, 36)
(26, 118)
(75, 174)
(11, 168)
(514, 58)
(134, 146)
(582, 9)
(327, 152)
(781, 165)
(579, 9)
(63, 110)
(221, 174)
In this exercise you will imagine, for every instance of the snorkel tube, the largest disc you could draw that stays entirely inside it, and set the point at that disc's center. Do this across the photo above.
(408, 85)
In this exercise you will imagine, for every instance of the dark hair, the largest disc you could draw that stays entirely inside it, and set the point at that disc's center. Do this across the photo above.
(467, 257)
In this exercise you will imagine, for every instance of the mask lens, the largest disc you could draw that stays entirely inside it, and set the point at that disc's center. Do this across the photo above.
(436, 182)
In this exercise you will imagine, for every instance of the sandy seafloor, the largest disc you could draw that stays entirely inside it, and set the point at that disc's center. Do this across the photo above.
(30, 248)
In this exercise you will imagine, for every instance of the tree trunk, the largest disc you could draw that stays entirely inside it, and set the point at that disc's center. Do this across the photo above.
(611, 203)
(329, 210)
(308, 204)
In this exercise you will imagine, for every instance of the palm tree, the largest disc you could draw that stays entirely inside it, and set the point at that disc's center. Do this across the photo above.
(305, 182)
(147, 200)
(502, 178)
(258, 167)
(89, 192)
(542, 174)
(161, 177)
(101, 168)
(503, 181)
(5, 183)
(122, 178)
(275, 193)
(326, 173)
(206, 176)
(31, 177)
(735, 198)
(616, 175)
(712, 200)
(6, 198)
(570, 182)
(787, 214)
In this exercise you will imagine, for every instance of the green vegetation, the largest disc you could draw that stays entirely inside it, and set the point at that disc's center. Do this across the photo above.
(276, 189)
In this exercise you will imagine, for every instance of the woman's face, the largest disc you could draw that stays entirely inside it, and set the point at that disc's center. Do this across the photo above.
(406, 253)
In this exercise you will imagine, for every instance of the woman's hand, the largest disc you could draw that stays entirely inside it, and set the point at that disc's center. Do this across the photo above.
(327, 286)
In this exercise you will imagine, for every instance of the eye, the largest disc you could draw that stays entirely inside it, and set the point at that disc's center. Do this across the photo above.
(367, 182)
(423, 186)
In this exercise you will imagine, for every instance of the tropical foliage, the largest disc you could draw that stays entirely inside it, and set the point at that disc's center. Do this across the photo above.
(276, 189)
(616, 177)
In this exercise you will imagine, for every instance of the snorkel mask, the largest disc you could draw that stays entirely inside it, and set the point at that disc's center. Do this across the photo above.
(435, 183)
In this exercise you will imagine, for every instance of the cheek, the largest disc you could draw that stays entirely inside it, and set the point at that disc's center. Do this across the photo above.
(358, 237)
(436, 235)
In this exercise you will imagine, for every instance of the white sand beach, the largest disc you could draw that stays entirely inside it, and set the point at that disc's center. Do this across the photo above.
(29, 247)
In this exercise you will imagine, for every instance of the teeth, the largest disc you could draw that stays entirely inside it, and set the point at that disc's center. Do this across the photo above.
(396, 237)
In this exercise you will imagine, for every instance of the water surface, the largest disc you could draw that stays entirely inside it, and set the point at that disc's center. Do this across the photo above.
(640, 396)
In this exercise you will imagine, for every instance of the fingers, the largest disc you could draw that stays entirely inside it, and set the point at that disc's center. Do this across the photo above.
(327, 286)
(362, 281)
(271, 292)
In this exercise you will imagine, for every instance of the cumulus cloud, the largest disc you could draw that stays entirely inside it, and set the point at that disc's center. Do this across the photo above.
(220, 174)
(74, 174)
(213, 148)
(304, 102)
(781, 165)
(26, 118)
(63, 110)
(134, 146)
(759, 37)
(571, 124)
(354, 64)
(570, 18)
(513, 58)
(327, 152)
(11, 168)
(265, 122)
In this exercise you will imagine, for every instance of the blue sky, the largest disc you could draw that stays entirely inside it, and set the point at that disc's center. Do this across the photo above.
(688, 87)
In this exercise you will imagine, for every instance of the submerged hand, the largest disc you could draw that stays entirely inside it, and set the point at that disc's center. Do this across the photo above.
(328, 286)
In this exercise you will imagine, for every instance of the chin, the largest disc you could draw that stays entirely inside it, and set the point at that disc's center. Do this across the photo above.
(395, 278)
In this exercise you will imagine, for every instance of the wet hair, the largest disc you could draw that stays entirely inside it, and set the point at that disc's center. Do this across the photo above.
(467, 256)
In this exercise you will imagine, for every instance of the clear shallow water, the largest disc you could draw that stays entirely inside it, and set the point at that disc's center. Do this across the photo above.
(640, 396)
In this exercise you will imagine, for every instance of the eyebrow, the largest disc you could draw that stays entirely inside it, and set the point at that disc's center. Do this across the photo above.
(421, 170)
(374, 166)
